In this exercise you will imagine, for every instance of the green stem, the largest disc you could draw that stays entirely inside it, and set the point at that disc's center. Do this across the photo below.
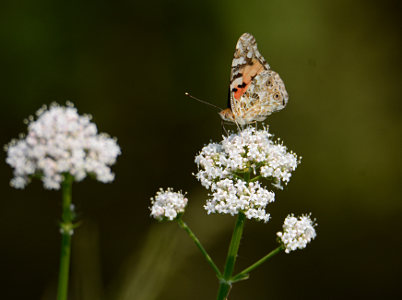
(247, 176)
(244, 274)
(183, 225)
(225, 282)
(256, 178)
(66, 228)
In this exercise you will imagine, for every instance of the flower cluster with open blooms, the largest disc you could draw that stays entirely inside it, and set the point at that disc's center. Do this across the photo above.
(168, 204)
(249, 149)
(233, 171)
(297, 232)
(232, 196)
(61, 141)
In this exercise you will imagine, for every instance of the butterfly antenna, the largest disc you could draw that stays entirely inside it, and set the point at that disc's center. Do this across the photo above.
(202, 101)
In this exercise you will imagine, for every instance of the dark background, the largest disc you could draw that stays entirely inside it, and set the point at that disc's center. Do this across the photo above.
(128, 63)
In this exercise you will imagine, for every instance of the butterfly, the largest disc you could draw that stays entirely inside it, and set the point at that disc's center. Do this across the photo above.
(255, 90)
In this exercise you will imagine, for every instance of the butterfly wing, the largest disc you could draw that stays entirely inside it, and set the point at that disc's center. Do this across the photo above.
(265, 95)
(247, 63)
(255, 91)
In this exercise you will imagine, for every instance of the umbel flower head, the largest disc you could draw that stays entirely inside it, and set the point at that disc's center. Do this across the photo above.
(249, 150)
(61, 141)
(233, 170)
(231, 196)
(168, 204)
(297, 232)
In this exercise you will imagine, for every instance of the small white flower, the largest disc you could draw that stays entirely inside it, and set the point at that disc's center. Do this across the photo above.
(61, 141)
(297, 232)
(168, 204)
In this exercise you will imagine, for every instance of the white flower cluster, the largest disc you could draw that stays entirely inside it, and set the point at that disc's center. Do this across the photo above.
(297, 233)
(168, 204)
(234, 168)
(250, 149)
(231, 197)
(61, 141)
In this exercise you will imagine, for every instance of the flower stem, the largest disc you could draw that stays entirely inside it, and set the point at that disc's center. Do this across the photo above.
(183, 225)
(225, 282)
(66, 228)
(255, 178)
(244, 274)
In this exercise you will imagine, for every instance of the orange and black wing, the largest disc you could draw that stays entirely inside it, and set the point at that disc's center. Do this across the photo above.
(247, 63)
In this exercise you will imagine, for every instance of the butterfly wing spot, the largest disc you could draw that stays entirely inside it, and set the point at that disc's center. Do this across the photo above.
(240, 91)
(270, 83)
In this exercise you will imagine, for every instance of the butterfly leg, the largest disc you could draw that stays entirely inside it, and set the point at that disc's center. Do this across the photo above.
(238, 127)
(223, 127)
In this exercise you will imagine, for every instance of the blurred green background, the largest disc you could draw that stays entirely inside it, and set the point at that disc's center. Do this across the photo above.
(128, 63)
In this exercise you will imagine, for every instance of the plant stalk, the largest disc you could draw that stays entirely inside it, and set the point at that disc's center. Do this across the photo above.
(225, 282)
(66, 229)
(244, 273)
(183, 225)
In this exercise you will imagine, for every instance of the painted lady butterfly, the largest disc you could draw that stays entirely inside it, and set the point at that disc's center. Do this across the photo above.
(255, 90)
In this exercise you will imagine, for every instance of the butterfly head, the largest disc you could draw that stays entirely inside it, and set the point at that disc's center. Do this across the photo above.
(227, 115)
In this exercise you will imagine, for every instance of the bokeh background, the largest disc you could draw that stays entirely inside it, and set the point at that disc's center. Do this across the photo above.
(128, 63)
